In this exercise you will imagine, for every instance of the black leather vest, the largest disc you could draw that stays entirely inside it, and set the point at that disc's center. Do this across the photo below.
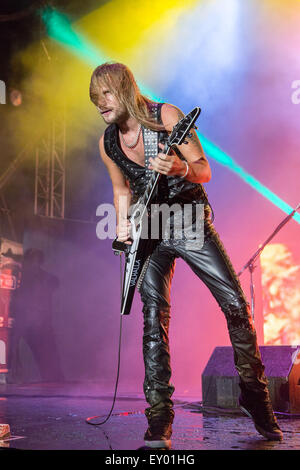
(171, 189)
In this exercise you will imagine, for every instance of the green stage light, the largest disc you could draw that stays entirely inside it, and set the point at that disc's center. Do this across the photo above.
(59, 28)
(221, 157)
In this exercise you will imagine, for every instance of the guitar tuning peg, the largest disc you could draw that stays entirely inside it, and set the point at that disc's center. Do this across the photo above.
(185, 142)
(190, 135)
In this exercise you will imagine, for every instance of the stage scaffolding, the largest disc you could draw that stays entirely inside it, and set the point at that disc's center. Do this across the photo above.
(50, 171)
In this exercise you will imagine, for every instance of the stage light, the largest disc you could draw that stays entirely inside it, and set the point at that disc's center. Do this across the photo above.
(60, 29)
(15, 97)
(2, 92)
(221, 157)
(281, 295)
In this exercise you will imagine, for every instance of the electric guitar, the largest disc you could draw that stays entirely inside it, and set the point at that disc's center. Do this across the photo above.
(137, 254)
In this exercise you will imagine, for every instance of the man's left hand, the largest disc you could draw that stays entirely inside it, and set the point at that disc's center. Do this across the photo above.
(167, 164)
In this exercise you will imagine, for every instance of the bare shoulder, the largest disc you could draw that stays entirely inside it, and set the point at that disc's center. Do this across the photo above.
(103, 154)
(101, 143)
(170, 115)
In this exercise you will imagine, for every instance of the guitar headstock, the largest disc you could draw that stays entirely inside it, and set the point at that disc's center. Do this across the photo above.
(181, 129)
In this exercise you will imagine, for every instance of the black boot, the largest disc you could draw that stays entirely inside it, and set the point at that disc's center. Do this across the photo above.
(157, 387)
(259, 408)
(254, 400)
(158, 434)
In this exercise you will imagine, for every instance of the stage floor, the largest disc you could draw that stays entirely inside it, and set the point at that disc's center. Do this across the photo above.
(52, 416)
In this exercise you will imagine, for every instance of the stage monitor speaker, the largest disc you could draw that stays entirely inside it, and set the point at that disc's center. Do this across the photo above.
(282, 367)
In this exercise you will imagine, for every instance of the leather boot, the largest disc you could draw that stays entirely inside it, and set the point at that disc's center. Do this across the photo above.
(157, 387)
(254, 400)
(158, 434)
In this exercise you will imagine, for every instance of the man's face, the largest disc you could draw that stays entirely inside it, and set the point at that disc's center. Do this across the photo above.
(110, 107)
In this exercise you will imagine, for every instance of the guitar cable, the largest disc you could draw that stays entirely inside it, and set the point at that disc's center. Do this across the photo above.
(88, 420)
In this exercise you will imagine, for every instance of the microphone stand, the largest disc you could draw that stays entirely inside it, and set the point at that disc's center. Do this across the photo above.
(250, 263)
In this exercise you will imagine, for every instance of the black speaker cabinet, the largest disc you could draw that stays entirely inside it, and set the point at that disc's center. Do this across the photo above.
(282, 367)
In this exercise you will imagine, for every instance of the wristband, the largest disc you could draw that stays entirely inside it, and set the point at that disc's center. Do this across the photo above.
(187, 169)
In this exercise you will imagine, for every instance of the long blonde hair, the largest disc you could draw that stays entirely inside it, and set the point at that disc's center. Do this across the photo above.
(121, 82)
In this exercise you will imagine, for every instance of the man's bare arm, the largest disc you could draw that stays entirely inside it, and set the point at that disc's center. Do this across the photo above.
(121, 191)
(199, 168)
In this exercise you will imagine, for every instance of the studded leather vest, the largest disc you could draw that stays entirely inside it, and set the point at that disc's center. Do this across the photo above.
(171, 189)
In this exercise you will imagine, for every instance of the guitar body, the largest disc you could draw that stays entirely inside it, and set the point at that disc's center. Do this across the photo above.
(137, 254)
(135, 262)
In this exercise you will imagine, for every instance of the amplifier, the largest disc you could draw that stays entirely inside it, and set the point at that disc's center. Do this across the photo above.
(282, 367)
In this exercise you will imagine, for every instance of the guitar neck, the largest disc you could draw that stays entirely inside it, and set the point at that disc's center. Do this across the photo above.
(147, 197)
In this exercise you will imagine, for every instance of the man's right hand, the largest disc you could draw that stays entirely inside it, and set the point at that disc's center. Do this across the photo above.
(124, 232)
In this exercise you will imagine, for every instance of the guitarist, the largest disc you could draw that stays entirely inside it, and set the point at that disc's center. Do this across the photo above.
(127, 112)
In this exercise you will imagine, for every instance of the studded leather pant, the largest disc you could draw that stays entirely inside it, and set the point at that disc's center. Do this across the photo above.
(212, 265)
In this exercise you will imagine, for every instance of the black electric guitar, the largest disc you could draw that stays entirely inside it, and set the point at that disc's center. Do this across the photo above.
(138, 253)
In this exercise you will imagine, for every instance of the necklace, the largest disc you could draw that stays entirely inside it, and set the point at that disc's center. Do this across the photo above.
(130, 146)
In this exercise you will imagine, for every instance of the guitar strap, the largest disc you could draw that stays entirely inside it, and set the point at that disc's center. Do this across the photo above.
(151, 150)
(150, 142)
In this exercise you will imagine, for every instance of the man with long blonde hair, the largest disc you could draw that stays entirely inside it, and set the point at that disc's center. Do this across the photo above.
(128, 114)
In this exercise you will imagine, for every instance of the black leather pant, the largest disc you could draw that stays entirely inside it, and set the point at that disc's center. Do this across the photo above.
(212, 265)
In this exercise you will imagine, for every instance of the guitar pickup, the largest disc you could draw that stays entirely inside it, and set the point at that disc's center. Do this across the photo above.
(120, 247)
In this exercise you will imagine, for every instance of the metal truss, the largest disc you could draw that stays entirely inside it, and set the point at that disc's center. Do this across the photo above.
(50, 171)
(7, 226)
